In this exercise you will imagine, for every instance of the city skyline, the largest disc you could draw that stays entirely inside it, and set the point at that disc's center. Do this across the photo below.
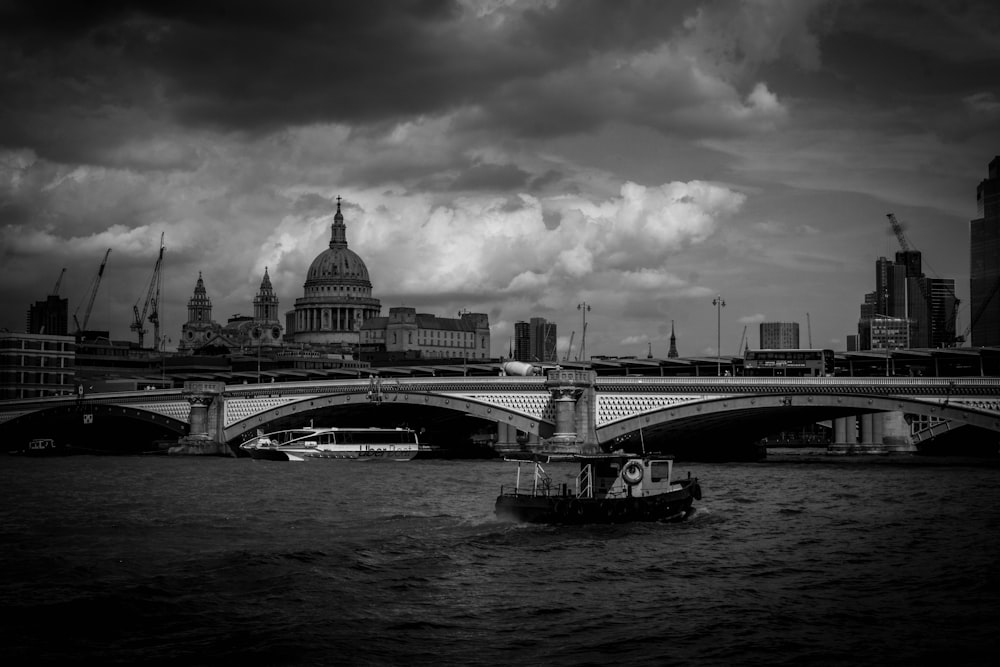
(515, 159)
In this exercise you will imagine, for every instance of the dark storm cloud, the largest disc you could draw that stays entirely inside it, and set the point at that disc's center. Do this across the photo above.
(233, 65)
(491, 177)
(82, 78)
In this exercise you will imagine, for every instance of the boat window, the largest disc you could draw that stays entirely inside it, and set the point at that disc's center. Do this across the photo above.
(659, 471)
(326, 438)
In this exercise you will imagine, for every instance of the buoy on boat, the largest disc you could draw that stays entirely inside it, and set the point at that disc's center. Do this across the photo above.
(632, 474)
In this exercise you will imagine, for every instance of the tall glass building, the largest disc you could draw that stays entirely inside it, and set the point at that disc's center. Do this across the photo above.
(535, 341)
(984, 264)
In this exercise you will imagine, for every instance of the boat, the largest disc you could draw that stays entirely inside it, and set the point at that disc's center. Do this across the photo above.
(41, 447)
(610, 488)
(364, 444)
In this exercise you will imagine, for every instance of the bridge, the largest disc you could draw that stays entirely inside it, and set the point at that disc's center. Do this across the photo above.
(565, 411)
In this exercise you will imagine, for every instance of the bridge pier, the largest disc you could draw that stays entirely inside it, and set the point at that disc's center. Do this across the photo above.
(575, 405)
(507, 441)
(880, 433)
(206, 421)
(896, 433)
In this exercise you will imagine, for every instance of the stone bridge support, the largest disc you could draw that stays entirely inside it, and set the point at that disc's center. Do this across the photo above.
(871, 433)
(575, 406)
(205, 436)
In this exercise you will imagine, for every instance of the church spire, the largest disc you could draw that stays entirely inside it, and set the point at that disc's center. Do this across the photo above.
(338, 231)
(672, 354)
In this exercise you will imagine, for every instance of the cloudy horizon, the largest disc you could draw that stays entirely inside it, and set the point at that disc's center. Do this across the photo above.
(517, 158)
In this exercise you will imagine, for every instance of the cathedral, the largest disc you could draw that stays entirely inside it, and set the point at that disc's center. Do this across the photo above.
(337, 297)
(336, 314)
(245, 333)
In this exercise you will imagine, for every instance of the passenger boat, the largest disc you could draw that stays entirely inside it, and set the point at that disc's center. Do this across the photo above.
(610, 488)
(364, 444)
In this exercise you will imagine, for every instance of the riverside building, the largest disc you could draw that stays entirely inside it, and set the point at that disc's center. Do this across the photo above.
(407, 334)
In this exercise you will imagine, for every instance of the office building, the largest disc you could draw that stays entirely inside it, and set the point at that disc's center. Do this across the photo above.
(779, 336)
(49, 317)
(535, 341)
(903, 292)
(35, 365)
(407, 334)
(984, 264)
(943, 311)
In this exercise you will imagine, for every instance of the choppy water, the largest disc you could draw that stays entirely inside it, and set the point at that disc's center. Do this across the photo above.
(207, 561)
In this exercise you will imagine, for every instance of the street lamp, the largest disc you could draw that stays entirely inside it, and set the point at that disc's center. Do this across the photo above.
(465, 354)
(719, 305)
(583, 339)
(885, 337)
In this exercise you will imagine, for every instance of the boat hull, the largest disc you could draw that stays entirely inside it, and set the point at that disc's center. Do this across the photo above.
(567, 509)
(374, 454)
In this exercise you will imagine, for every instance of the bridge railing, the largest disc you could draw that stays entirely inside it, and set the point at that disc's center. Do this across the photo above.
(742, 381)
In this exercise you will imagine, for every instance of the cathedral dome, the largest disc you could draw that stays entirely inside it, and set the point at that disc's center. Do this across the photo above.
(338, 263)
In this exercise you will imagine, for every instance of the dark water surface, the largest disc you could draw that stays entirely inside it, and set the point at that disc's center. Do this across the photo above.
(174, 560)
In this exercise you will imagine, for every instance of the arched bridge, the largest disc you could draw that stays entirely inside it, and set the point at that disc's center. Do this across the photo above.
(567, 410)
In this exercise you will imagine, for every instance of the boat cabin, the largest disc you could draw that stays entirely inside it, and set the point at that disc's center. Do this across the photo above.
(605, 476)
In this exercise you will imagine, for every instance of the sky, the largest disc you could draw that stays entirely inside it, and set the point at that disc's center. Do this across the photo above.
(620, 163)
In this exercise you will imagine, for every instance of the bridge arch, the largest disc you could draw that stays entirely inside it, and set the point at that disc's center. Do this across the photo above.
(543, 428)
(756, 408)
(96, 427)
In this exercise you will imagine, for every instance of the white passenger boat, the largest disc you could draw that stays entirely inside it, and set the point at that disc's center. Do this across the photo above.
(363, 444)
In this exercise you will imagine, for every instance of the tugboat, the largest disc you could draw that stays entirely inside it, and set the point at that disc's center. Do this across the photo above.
(610, 488)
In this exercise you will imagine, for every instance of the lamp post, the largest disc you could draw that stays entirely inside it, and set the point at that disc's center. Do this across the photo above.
(885, 338)
(583, 307)
(260, 336)
(719, 305)
(465, 354)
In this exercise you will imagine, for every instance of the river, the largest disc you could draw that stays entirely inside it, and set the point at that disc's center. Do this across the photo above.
(210, 561)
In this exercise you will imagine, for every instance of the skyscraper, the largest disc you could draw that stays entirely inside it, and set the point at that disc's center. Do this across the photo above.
(984, 264)
(902, 292)
(943, 309)
(535, 341)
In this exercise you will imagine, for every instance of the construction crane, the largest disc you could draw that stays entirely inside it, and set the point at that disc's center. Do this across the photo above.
(739, 348)
(809, 329)
(569, 349)
(80, 328)
(150, 307)
(55, 290)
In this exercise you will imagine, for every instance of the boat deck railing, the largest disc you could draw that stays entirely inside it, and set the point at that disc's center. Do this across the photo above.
(584, 483)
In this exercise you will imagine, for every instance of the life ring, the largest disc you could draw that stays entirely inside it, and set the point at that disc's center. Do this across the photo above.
(632, 473)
